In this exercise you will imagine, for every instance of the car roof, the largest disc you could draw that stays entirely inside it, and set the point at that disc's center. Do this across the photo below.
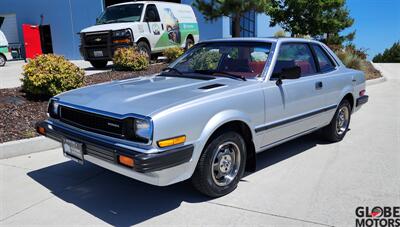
(261, 39)
(144, 2)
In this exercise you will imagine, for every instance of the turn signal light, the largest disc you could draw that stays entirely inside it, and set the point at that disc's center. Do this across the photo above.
(172, 141)
(41, 130)
(126, 161)
(122, 41)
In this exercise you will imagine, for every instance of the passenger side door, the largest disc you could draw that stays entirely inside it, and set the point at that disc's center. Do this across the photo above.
(153, 26)
(295, 106)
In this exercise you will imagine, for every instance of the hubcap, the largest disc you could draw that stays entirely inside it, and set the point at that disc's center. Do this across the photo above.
(342, 120)
(226, 163)
(2, 61)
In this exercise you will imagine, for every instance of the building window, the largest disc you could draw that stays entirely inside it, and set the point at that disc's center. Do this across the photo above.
(248, 24)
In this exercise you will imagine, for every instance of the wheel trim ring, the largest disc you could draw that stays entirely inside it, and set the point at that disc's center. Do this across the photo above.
(230, 175)
(342, 120)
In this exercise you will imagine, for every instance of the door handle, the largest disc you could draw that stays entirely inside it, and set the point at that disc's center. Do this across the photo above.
(318, 85)
(162, 26)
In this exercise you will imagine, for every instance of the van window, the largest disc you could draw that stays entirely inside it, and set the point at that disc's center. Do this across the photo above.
(295, 54)
(324, 61)
(152, 14)
(121, 13)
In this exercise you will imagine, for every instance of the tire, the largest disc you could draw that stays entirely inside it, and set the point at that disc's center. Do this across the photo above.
(335, 132)
(3, 60)
(101, 64)
(189, 43)
(144, 48)
(208, 177)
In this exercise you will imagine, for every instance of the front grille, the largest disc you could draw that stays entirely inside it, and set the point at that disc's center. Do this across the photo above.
(96, 39)
(92, 122)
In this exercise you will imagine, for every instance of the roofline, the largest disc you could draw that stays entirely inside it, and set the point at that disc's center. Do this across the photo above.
(144, 2)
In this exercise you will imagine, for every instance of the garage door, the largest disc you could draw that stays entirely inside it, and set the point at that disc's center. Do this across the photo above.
(9, 27)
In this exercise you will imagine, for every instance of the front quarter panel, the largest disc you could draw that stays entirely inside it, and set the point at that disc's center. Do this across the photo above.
(200, 118)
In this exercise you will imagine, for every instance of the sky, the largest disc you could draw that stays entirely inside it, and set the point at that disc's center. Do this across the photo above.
(377, 24)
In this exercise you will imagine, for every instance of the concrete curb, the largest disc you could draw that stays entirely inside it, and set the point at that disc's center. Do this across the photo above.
(377, 80)
(26, 146)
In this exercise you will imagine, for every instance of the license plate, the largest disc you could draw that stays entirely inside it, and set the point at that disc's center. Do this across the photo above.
(73, 150)
(98, 53)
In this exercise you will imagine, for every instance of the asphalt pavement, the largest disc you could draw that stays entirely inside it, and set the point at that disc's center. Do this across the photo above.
(305, 182)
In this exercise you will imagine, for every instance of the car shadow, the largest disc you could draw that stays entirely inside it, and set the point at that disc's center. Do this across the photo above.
(121, 201)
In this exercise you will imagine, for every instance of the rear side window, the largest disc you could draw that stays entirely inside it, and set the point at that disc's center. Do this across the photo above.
(325, 62)
(292, 55)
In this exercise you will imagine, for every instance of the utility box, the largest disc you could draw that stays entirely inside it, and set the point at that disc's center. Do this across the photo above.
(37, 40)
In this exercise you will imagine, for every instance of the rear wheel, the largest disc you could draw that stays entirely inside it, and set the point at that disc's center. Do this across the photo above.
(221, 165)
(99, 63)
(2, 60)
(144, 48)
(337, 128)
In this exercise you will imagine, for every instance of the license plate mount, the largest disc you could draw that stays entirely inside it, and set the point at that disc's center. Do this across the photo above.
(98, 53)
(73, 150)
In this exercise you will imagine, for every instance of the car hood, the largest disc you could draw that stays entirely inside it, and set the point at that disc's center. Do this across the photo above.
(108, 27)
(145, 96)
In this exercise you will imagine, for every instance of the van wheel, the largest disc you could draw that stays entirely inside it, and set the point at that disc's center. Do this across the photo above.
(189, 43)
(337, 128)
(2, 60)
(221, 165)
(100, 64)
(144, 48)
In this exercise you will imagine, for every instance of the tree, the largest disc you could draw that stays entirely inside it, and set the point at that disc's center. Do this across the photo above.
(311, 17)
(391, 55)
(213, 9)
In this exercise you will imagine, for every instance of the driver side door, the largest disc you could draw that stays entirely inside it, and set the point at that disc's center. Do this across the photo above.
(295, 106)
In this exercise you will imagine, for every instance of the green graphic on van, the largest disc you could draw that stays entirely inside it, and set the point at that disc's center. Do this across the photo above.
(3, 49)
(178, 35)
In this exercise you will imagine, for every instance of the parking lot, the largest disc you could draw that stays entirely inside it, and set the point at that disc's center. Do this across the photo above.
(305, 182)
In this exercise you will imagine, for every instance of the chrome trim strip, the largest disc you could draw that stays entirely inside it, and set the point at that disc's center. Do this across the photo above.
(296, 118)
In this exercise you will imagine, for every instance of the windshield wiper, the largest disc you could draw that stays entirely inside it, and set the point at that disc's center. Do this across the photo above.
(225, 74)
(169, 69)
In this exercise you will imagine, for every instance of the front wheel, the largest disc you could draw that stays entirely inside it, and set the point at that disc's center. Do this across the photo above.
(221, 165)
(2, 60)
(144, 48)
(189, 43)
(337, 128)
(99, 64)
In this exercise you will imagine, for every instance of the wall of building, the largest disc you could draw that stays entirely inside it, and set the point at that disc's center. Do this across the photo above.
(59, 14)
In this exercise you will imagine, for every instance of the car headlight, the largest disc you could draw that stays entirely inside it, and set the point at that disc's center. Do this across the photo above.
(122, 33)
(53, 108)
(143, 129)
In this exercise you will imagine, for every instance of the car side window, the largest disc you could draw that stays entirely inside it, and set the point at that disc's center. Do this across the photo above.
(152, 14)
(292, 55)
(325, 62)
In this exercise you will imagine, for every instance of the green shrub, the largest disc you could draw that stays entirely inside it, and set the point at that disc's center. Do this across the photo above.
(349, 59)
(49, 75)
(280, 33)
(130, 59)
(391, 55)
(173, 53)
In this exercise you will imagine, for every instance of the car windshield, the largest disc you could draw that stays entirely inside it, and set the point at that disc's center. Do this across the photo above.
(233, 59)
(121, 13)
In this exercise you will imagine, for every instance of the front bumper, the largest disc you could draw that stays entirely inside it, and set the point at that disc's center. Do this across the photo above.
(107, 151)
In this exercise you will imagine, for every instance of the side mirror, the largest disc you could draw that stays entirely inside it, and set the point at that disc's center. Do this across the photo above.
(289, 73)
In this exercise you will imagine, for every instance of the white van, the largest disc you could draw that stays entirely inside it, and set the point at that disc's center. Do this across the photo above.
(152, 26)
(4, 52)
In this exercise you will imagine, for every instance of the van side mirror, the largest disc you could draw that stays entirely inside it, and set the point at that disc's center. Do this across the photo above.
(289, 73)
